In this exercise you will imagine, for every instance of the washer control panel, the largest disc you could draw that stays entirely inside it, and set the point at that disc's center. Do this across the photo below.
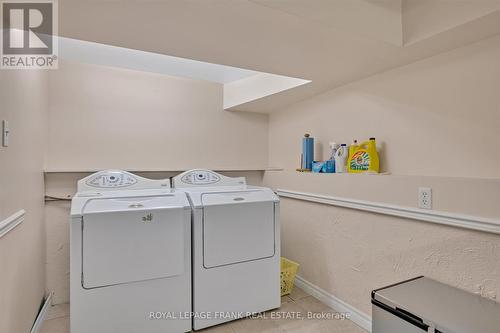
(200, 177)
(111, 179)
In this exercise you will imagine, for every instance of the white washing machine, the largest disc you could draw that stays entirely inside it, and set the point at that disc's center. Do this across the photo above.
(236, 247)
(130, 256)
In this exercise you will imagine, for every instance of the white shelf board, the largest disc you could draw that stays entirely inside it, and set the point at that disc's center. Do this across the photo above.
(242, 169)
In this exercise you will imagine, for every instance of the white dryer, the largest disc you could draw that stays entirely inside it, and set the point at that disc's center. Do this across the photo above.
(236, 247)
(130, 256)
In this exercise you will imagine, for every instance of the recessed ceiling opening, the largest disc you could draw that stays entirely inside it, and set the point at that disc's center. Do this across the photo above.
(240, 85)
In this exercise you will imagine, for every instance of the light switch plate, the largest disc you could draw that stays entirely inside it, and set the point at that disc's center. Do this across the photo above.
(5, 133)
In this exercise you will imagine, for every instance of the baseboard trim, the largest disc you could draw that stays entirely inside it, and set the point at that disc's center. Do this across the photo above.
(433, 216)
(358, 317)
(37, 326)
(11, 222)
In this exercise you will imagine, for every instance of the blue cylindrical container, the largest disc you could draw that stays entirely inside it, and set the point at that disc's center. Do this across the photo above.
(307, 152)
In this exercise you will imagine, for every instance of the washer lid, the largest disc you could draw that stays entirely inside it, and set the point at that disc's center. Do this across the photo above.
(134, 203)
(236, 197)
(444, 307)
(229, 195)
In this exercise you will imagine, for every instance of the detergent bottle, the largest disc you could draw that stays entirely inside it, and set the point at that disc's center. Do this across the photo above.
(363, 158)
(352, 148)
(341, 158)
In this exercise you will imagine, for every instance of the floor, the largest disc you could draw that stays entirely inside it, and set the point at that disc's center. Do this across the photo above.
(296, 304)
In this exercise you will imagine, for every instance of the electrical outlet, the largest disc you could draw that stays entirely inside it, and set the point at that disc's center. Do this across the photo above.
(425, 197)
(5, 133)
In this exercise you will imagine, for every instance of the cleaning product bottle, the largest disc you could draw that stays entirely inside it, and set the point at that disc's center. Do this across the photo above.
(353, 146)
(307, 152)
(364, 157)
(341, 158)
(329, 166)
(333, 148)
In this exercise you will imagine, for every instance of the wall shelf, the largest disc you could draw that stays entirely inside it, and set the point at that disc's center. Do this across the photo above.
(225, 169)
(341, 174)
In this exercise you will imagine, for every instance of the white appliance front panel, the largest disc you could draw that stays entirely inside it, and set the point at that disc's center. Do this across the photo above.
(134, 245)
(219, 289)
(235, 233)
(126, 308)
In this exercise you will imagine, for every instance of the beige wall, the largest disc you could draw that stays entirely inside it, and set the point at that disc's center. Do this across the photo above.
(437, 117)
(24, 103)
(349, 253)
(113, 118)
(437, 123)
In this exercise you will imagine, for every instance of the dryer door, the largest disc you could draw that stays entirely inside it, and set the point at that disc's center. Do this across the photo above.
(237, 227)
(132, 239)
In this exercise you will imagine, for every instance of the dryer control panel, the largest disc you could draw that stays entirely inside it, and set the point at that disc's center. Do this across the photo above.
(202, 177)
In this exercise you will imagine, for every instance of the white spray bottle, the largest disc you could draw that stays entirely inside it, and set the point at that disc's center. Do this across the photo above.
(333, 147)
(341, 156)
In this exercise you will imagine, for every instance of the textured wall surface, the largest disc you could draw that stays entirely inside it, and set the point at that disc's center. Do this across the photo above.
(436, 123)
(24, 103)
(349, 253)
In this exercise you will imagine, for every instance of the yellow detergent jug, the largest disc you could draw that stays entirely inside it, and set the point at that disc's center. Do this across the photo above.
(363, 157)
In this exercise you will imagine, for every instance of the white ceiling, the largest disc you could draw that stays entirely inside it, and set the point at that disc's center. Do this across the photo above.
(380, 20)
(331, 42)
